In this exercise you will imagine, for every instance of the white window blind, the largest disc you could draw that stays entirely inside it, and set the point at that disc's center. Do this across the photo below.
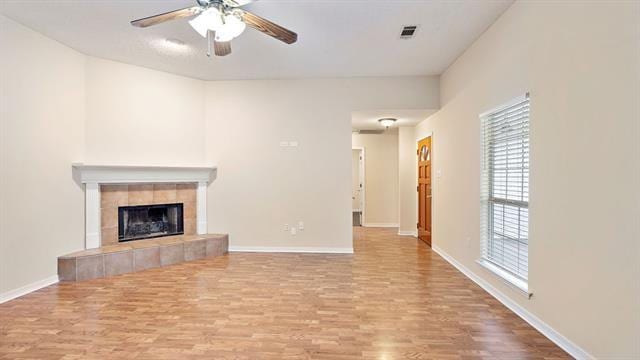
(505, 187)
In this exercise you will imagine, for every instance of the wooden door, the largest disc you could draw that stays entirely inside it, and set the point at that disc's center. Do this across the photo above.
(424, 190)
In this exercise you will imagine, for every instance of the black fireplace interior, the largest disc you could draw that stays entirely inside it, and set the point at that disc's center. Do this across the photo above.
(149, 221)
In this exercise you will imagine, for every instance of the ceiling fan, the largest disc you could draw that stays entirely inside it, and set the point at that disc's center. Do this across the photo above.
(220, 21)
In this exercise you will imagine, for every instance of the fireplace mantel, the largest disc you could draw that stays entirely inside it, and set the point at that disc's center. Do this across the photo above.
(93, 175)
(127, 174)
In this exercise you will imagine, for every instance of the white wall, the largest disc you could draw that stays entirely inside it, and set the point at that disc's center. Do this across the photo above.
(580, 61)
(381, 177)
(261, 186)
(141, 116)
(407, 180)
(59, 107)
(41, 133)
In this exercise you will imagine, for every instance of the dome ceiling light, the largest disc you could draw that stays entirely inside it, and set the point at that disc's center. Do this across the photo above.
(387, 122)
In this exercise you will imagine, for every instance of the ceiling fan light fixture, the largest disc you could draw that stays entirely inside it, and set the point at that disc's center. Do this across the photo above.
(220, 21)
(233, 26)
(386, 122)
(210, 19)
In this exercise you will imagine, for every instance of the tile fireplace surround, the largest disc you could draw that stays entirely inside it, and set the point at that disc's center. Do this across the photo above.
(110, 186)
(114, 196)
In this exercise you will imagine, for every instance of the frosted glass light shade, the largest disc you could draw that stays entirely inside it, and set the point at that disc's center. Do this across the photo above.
(209, 20)
(387, 122)
(231, 28)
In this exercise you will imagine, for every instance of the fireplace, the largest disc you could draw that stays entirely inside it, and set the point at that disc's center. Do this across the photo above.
(149, 221)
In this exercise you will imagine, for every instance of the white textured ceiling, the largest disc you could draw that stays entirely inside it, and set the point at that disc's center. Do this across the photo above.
(335, 38)
(368, 119)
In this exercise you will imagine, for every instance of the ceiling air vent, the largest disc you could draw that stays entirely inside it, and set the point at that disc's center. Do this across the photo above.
(408, 31)
(370, 132)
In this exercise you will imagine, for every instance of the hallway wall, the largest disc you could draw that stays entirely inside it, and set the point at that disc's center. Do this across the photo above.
(407, 180)
(381, 177)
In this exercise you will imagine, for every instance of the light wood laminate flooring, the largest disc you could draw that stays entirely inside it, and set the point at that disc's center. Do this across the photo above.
(393, 299)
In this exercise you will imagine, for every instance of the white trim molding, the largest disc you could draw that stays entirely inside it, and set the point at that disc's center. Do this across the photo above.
(362, 179)
(381, 225)
(546, 330)
(201, 208)
(518, 284)
(92, 176)
(269, 249)
(24, 290)
(127, 174)
(413, 233)
(92, 215)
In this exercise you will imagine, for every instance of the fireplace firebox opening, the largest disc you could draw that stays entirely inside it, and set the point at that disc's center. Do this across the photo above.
(149, 221)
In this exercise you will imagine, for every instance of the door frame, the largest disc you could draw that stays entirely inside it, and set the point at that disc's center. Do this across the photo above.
(362, 181)
(422, 137)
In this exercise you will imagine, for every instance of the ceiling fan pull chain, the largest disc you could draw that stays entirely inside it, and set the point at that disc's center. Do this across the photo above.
(209, 41)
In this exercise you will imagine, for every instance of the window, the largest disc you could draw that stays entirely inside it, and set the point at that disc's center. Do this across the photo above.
(505, 191)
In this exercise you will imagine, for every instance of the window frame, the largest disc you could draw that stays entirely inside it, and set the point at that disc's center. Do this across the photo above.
(488, 200)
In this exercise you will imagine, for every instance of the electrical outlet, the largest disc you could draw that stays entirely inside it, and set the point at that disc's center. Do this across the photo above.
(301, 225)
(293, 231)
(286, 227)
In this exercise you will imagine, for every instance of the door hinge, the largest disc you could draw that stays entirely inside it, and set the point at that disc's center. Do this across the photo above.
(418, 188)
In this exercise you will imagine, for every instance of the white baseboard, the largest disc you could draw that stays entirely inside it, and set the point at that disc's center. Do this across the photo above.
(408, 233)
(15, 293)
(546, 330)
(269, 249)
(383, 225)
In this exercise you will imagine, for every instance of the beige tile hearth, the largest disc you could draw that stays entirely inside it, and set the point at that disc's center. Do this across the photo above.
(118, 263)
(146, 258)
(139, 255)
(172, 254)
(67, 269)
(89, 267)
(194, 250)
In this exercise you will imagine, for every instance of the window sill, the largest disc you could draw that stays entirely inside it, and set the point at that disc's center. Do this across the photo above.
(516, 283)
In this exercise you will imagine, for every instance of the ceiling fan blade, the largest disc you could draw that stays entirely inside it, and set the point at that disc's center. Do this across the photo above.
(269, 28)
(222, 48)
(177, 14)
